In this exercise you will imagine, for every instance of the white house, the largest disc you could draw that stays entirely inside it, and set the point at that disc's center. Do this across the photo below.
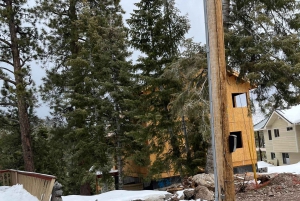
(282, 136)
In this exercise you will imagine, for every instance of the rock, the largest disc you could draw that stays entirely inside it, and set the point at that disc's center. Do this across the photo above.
(174, 190)
(206, 180)
(202, 192)
(189, 194)
(57, 186)
(168, 196)
(156, 198)
(58, 193)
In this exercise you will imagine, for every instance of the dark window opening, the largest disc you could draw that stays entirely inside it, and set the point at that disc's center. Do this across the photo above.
(285, 158)
(276, 132)
(239, 140)
(239, 100)
(272, 156)
(270, 134)
(289, 128)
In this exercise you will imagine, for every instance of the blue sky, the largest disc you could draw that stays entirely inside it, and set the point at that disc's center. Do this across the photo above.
(192, 8)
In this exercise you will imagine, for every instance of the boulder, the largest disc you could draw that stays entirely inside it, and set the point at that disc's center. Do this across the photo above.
(206, 180)
(189, 194)
(202, 192)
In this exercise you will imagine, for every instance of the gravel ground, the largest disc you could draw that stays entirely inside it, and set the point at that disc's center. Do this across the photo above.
(280, 187)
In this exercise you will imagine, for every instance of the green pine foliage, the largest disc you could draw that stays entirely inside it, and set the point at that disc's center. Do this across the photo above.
(157, 29)
(191, 105)
(91, 87)
(262, 42)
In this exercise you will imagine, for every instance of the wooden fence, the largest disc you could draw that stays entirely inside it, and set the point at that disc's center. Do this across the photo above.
(39, 185)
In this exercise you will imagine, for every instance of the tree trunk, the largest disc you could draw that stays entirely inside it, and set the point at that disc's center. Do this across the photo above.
(119, 151)
(20, 93)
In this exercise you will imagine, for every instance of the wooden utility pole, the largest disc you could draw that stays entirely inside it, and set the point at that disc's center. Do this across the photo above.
(224, 185)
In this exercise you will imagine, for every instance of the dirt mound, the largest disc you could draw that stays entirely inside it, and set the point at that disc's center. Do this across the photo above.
(284, 186)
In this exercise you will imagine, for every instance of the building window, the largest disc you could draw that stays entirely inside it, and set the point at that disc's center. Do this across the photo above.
(289, 128)
(270, 134)
(239, 140)
(285, 158)
(276, 132)
(272, 156)
(239, 100)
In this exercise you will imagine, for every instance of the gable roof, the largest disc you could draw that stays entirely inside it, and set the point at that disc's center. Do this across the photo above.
(260, 125)
(292, 115)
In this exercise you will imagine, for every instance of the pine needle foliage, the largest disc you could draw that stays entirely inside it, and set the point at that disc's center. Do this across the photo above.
(90, 86)
(262, 43)
(157, 29)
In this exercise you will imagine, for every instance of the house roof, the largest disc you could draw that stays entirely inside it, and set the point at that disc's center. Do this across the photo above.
(292, 115)
(260, 125)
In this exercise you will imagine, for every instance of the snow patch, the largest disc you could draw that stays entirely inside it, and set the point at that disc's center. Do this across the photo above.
(15, 193)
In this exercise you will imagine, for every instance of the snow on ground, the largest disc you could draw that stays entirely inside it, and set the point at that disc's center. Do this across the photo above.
(118, 195)
(262, 164)
(294, 168)
(17, 193)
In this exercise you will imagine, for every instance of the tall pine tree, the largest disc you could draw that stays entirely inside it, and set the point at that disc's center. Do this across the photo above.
(18, 47)
(91, 85)
(157, 29)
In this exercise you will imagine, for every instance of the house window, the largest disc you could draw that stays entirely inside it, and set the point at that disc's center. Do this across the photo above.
(285, 158)
(270, 134)
(272, 156)
(239, 100)
(276, 132)
(239, 141)
(289, 128)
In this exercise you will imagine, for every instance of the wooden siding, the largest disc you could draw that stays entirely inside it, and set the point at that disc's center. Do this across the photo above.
(294, 158)
(287, 141)
(241, 120)
(268, 144)
(297, 133)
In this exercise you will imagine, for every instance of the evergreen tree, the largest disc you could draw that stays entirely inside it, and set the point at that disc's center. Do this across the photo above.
(262, 43)
(156, 29)
(92, 84)
(18, 47)
(191, 105)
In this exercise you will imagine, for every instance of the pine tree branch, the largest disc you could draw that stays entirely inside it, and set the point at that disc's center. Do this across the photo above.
(8, 104)
(3, 5)
(7, 70)
(7, 62)
(5, 42)
(8, 80)
(24, 61)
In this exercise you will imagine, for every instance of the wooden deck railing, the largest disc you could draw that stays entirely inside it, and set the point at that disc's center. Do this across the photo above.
(39, 185)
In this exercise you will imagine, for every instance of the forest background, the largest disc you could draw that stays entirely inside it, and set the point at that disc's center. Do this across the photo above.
(107, 110)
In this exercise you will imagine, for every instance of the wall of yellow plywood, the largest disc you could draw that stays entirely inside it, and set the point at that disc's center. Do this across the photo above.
(171, 171)
(133, 170)
(240, 119)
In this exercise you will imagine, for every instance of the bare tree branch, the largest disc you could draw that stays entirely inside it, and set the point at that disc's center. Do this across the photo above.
(8, 80)
(5, 61)
(7, 69)
(24, 61)
(5, 42)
